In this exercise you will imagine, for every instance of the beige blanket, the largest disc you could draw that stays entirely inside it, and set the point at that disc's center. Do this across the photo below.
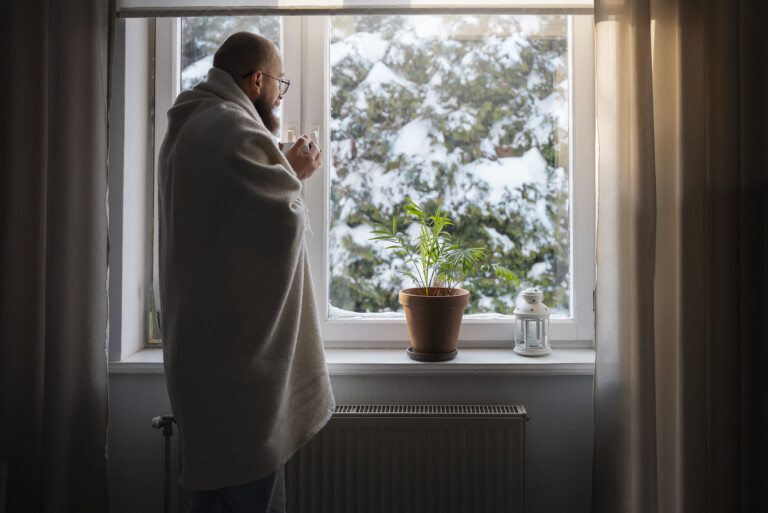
(244, 359)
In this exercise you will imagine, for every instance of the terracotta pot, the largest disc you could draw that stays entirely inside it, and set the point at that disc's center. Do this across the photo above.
(434, 321)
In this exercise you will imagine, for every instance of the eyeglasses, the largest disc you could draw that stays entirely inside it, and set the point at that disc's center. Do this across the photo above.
(284, 83)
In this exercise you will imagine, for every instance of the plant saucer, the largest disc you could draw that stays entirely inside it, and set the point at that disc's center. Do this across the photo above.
(425, 357)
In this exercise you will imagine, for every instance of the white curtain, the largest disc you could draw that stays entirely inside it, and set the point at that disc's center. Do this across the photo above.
(680, 389)
(53, 232)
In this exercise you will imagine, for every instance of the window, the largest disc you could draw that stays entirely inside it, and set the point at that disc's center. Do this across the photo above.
(466, 112)
(200, 37)
(490, 115)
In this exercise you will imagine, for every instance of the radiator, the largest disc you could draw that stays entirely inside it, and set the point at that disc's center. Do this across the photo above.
(419, 459)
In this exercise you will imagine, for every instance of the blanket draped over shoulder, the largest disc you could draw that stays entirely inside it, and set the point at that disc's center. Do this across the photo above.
(243, 353)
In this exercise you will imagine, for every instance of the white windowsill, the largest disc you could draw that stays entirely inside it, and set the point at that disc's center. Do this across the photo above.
(395, 361)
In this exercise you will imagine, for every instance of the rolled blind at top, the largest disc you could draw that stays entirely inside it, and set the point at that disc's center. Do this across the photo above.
(143, 8)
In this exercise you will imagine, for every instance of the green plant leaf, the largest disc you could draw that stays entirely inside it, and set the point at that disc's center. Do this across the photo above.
(505, 273)
(434, 257)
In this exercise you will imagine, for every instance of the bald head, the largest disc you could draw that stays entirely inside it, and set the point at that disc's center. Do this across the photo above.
(244, 52)
(256, 66)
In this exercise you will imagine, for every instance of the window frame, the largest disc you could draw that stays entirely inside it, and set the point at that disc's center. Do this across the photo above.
(305, 46)
(167, 85)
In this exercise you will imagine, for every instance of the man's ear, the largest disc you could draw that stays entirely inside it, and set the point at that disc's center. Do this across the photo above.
(255, 81)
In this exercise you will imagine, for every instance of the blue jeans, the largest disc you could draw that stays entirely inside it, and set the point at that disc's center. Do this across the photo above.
(267, 495)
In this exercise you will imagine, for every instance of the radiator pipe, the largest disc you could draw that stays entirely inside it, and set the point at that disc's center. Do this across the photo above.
(166, 422)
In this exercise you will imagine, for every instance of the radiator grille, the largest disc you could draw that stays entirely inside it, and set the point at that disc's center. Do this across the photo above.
(437, 410)
(412, 459)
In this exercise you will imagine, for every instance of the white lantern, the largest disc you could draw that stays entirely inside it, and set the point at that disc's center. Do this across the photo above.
(531, 324)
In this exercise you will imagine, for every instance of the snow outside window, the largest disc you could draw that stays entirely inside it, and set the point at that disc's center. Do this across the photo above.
(466, 112)
(490, 116)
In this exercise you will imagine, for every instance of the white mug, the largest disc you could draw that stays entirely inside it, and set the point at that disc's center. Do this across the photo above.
(288, 145)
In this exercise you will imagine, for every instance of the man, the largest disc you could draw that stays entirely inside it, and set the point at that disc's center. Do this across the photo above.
(243, 354)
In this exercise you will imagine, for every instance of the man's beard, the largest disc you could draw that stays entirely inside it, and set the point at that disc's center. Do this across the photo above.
(267, 115)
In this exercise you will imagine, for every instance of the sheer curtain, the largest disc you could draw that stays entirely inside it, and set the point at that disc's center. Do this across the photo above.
(680, 389)
(53, 233)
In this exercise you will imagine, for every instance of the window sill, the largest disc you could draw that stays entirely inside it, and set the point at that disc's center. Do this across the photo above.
(144, 361)
(395, 361)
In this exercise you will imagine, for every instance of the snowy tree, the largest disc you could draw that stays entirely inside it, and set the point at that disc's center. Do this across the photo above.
(465, 111)
(470, 112)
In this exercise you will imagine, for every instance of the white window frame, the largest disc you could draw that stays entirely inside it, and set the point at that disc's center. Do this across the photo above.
(305, 48)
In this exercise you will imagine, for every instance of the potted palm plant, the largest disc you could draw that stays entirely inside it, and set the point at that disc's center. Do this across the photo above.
(437, 264)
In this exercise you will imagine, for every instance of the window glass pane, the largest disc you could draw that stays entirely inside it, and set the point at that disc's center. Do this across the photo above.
(470, 112)
(201, 36)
